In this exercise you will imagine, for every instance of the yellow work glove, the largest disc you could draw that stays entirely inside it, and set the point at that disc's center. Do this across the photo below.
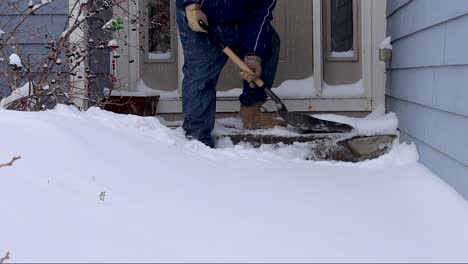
(194, 15)
(255, 64)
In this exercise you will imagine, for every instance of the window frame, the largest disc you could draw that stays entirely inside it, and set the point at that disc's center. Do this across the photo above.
(174, 48)
(327, 12)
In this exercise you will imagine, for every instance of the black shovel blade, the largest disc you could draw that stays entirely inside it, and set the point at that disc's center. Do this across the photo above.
(311, 124)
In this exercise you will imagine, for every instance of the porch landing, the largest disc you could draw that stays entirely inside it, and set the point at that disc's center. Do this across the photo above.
(325, 147)
(348, 147)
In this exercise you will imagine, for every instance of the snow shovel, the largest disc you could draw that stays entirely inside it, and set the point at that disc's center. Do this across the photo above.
(300, 121)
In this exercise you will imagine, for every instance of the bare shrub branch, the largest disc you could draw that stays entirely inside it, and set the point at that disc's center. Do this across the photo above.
(9, 164)
(4, 259)
(58, 72)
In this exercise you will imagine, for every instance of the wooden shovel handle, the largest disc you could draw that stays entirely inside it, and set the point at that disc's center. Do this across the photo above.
(241, 64)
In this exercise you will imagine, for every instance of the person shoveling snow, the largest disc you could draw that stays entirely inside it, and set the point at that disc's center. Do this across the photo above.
(208, 29)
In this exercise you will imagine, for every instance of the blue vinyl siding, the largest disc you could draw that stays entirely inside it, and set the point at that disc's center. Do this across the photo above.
(428, 82)
(50, 20)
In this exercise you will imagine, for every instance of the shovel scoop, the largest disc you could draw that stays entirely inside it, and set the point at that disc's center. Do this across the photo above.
(300, 121)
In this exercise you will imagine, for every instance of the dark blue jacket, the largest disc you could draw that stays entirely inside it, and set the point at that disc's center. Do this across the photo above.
(253, 15)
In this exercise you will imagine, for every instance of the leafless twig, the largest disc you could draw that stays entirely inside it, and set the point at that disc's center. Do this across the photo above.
(10, 164)
(7, 257)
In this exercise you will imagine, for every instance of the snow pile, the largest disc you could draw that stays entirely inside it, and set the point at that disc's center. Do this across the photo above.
(159, 55)
(144, 90)
(376, 123)
(17, 93)
(100, 187)
(305, 88)
(386, 43)
(343, 90)
(342, 54)
(1, 32)
(288, 89)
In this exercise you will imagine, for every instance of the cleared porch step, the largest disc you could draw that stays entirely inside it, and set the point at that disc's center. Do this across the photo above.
(339, 147)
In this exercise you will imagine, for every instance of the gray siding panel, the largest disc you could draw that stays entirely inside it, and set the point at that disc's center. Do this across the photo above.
(428, 82)
(393, 6)
(426, 48)
(456, 41)
(20, 6)
(49, 20)
(421, 14)
(414, 85)
(451, 90)
(443, 88)
(36, 27)
(441, 44)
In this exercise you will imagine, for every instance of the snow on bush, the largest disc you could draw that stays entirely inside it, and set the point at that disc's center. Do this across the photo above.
(17, 93)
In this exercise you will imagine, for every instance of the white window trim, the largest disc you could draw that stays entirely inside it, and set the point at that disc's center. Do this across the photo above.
(378, 68)
(129, 74)
(75, 82)
(318, 49)
(180, 63)
(366, 43)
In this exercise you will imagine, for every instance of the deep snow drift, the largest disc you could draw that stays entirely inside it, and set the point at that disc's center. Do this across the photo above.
(96, 186)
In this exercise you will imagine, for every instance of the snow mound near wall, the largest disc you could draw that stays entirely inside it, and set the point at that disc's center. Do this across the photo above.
(376, 123)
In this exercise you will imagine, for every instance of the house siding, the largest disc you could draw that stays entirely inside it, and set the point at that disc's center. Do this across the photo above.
(427, 84)
(50, 19)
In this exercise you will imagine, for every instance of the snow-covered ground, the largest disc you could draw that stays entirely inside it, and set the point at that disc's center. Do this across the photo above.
(96, 186)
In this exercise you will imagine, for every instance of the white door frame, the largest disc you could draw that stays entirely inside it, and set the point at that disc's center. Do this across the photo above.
(379, 78)
(129, 74)
(373, 30)
(78, 85)
(317, 49)
(232, 104)
(366, 14)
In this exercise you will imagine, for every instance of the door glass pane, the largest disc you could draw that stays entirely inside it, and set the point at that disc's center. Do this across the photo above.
(342, 23)
(293, 20)
(159, 27)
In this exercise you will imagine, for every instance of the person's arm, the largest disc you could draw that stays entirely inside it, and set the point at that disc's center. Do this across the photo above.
(256, 35)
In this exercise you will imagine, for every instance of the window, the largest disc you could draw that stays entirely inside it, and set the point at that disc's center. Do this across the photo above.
(341, 30)
(159, 39)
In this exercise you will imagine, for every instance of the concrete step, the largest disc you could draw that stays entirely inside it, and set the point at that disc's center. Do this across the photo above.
(346, 147)
(339, 147)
